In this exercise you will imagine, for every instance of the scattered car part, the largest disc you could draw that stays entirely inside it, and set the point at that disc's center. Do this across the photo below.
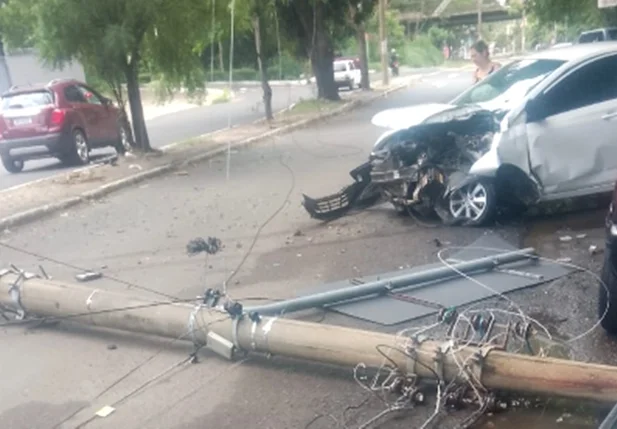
(423, 171)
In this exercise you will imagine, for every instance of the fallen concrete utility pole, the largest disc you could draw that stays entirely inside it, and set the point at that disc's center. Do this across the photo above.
(310, 341)
(391, 284)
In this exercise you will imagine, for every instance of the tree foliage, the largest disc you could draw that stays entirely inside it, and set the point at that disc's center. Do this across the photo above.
(317, 25)
(113, 37)
(574, 12)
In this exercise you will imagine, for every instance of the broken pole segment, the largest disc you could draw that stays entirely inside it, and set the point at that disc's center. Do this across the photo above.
(391, 284)
(327, 344)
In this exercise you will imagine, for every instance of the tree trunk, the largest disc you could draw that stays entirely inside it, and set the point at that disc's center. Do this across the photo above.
(118, 92)
(361, 35)
(137, 112)
(263, 71)
(322, 58)
(221, 62)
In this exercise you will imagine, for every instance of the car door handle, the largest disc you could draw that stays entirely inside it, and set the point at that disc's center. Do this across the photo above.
(609, 116)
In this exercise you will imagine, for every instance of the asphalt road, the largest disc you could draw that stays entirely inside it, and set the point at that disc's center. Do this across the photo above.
(57, 374)
(174, 127)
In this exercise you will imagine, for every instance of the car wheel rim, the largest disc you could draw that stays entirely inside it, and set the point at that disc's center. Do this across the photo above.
(469, 202)
(82, 147)
(124, 139)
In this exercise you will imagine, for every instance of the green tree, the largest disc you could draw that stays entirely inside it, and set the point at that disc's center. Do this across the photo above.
(114, 37)
(316, 25)
(584, 13)
(263, 11)
(359, 12)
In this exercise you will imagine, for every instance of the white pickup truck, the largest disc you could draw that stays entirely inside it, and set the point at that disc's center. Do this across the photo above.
(346, 74)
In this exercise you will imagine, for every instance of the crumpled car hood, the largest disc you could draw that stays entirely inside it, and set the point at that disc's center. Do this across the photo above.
(405, 117)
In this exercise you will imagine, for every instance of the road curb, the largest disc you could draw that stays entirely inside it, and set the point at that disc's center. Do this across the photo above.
(31, 215)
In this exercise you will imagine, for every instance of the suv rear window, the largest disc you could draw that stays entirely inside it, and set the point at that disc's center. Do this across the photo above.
(27, 99)
(340, 66)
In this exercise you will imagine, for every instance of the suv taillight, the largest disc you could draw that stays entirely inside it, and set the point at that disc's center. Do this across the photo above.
(57, 117)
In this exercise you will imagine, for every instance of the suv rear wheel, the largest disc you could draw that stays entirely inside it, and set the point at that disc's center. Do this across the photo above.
(80, 151)
(12, 165)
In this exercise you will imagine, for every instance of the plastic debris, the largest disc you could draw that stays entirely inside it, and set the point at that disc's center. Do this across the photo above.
(565, 239)
(88, 276)
(105, 411)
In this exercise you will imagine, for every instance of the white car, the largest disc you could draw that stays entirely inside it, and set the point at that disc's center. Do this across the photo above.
(556, 134)
(346, 74)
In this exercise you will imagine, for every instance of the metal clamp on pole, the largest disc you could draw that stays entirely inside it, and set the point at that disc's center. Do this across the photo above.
(15, 289)
(411, 350)
(440, 355)
(475, 365)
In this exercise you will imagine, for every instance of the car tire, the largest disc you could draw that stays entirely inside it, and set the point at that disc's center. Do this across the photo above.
(80, 150)
(123, 145)
(608, 296)
(12, 165)
(475, 204)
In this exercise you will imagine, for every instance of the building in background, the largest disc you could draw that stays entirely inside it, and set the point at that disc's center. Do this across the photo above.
(25, 67)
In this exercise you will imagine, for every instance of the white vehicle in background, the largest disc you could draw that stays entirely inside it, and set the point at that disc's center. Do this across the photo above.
(346, 74)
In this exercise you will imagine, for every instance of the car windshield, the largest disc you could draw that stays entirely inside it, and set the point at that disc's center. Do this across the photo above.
(27, 99)
(612, 34)
(339, 66)
(515, 79)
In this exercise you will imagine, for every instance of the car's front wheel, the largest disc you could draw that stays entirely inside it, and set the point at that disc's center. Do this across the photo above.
(474, 204)
(12, 165)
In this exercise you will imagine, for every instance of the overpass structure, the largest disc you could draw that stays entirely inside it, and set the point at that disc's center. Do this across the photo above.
(454, 12)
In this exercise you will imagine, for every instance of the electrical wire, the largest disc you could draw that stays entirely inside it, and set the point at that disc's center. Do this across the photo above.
(268, 220)
(74, 267)
(122, 378)
(550, 260)
(190, 393)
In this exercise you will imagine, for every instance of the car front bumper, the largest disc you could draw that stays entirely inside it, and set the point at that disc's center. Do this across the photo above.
(32, 147)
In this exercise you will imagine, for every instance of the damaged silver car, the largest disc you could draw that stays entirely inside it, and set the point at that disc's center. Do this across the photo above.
(543, 127)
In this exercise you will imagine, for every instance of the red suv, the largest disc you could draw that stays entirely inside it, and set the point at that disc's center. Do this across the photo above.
(64, 119)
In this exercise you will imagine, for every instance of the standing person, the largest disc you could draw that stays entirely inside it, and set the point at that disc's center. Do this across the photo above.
(394, 62)
(481, 58)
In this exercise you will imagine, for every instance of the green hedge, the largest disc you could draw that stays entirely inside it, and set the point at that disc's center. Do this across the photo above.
(421, 52)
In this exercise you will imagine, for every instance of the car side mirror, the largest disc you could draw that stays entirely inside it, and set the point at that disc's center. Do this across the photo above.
(535, 110)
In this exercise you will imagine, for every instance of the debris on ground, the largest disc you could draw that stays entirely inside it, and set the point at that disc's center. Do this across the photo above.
(88, 276)
(565, 238)
(210, 245)
(594, 250)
